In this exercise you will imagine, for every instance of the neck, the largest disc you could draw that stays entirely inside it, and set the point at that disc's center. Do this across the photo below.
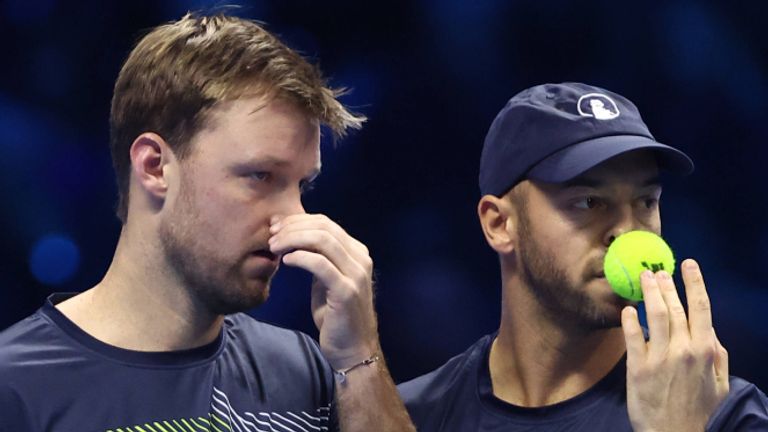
(141, 304)
(536, 361)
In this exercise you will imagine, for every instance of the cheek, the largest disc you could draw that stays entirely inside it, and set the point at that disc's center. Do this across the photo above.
(572, 248)
(224, 217)
(654, 223)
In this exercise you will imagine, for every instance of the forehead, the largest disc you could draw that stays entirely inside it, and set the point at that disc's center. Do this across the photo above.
(260, 128)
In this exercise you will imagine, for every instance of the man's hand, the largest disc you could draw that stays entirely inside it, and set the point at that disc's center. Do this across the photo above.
(342, 292)
(676, 380)
(342, 306)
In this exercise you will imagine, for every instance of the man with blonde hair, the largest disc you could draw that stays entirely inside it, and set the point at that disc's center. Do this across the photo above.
(215, 133)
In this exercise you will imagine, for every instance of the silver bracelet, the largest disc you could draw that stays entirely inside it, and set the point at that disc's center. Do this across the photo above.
(341, 375)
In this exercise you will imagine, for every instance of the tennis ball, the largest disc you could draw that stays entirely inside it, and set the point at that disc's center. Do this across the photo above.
(631, 254)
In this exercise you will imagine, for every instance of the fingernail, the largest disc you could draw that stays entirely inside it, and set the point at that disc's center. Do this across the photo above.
(275, 219)
(691, 264)
(274, 228)
(647, 274)
(663, 274)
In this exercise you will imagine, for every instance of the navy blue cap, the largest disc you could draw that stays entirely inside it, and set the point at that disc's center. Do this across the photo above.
(555, 132)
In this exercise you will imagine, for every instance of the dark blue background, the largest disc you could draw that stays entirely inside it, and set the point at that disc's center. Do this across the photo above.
(431, 76)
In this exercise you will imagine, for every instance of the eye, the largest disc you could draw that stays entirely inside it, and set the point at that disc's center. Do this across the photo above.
(306, 186)
(651, 202)
(587, 203)
(260, 176)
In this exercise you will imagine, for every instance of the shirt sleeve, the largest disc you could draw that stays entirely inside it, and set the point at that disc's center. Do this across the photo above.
(744, 410)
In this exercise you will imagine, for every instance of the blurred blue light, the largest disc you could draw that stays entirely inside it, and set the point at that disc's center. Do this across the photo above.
(28, 12)
(54, 259)
(52, 71)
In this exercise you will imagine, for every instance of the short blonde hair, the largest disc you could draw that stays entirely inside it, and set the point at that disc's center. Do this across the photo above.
(179, 71)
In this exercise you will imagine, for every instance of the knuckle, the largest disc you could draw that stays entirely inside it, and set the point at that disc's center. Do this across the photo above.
(677, 310)
(323, 237)
(368, 264)
(701, 304)
(349, 288)
(658, 313)
(322, 218)
(668, 287)
(362, 281)
(696, 278)
(722, 352)
(687, 356)
(706, 351)
(634, 331)
(342, 289)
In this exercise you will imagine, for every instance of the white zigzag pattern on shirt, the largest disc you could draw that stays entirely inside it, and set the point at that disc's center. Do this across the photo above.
(288, 421)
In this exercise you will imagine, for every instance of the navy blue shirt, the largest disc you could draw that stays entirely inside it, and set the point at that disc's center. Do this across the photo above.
(459, 397)
(253, 377)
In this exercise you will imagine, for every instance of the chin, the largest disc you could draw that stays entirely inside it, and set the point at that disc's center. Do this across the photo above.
(253, 294)
(240, 297)
(605, 311)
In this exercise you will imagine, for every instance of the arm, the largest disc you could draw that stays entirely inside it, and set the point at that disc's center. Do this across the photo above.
(677, 379)
(342, 308)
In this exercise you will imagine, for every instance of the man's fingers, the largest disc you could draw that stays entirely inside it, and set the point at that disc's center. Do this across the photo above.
(338, 288)
(657, 314)
(315, 263)
(721, 362)
(633, 337)
(678, 323)
(319, 241)
(699, 309)
(301, 222)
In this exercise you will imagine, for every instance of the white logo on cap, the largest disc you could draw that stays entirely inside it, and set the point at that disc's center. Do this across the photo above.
(597, 105)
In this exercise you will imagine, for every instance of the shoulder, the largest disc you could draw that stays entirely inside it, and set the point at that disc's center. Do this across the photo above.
(243, 327)
(281, 360)
(25, 341)
(437, 389)
(744, 409)
(282, 347)
(28, 349)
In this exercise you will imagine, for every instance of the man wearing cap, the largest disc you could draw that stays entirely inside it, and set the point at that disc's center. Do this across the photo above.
(565, 169)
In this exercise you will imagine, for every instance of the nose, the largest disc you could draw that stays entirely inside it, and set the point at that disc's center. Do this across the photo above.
(623, 220)
(289, 203)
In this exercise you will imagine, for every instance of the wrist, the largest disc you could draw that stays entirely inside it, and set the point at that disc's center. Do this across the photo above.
(341, 375)
(341, 359)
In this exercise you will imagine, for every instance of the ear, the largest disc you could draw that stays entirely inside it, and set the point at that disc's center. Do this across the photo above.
(498, 221)
(150, 158)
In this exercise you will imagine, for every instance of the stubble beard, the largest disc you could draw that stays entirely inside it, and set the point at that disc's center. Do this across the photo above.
(560, 299)
(213, 282)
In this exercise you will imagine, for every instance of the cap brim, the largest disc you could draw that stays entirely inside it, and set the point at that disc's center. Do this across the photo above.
(574, 160)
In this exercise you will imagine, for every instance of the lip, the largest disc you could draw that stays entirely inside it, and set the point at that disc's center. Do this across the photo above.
(266, 254)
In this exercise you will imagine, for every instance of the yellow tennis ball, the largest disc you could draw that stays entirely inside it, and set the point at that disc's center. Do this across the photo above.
(631, 254)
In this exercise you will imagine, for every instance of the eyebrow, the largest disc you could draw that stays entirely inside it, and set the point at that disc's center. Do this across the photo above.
(270, 162)
(597, 183)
